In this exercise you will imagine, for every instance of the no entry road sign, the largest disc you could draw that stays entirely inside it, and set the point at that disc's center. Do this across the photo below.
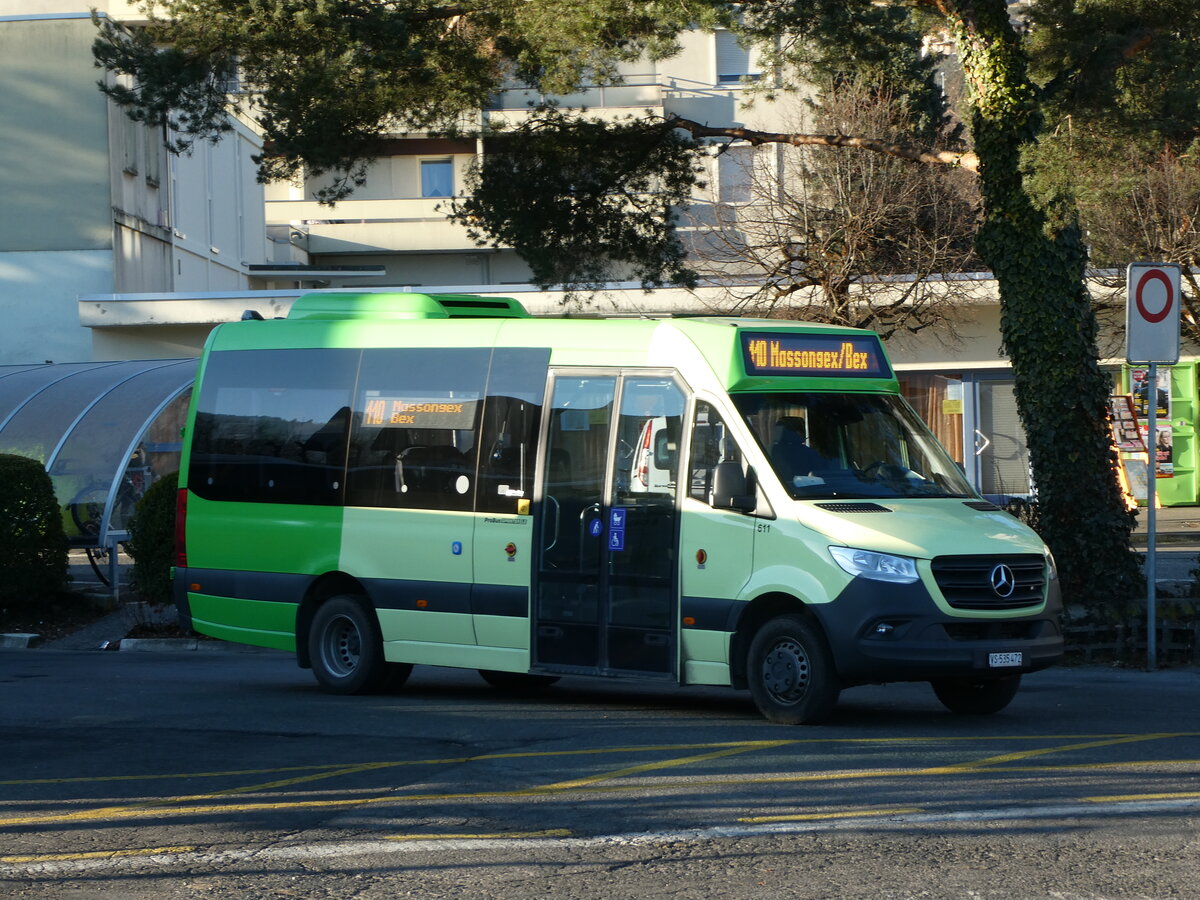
(1152, 314)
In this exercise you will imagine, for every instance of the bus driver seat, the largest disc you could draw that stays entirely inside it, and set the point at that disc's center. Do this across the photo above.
(790, 454)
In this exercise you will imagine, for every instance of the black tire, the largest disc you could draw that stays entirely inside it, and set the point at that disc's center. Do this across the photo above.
(973, 696)
(346, 650)
(517, 682)
(790, 672)
(98, 558)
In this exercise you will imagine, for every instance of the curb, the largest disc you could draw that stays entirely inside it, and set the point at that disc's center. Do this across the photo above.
(25, 641)
(186, 645)
(18, 641)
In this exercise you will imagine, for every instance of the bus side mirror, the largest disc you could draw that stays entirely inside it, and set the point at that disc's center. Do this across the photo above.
(665, 451)
(731, 488)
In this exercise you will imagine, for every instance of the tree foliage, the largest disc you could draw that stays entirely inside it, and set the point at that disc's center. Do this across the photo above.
(1121, 94)
(152, 540)
(326, 78)
(859, 239)
(609, 194)
(33, 547)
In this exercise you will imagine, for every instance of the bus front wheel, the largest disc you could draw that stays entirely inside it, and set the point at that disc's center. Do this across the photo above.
(790, 672)
(346, 650)
(976, 696)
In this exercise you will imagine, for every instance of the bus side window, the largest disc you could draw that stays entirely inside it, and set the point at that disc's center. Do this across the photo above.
(414, 440)
(511, 424)
(708, 434)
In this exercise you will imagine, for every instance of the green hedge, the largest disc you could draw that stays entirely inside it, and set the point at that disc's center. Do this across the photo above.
(152, 540)
(33, 547)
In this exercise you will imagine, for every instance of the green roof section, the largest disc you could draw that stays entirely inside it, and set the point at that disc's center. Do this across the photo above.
(341, 305)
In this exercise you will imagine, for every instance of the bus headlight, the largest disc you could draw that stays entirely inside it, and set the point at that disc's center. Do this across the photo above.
(876, 566)
(1051, 567)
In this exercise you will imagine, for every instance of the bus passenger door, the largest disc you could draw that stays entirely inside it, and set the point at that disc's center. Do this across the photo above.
(607, 585)
(568, 611)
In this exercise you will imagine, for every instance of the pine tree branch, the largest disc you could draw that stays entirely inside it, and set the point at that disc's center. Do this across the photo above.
(962, 160)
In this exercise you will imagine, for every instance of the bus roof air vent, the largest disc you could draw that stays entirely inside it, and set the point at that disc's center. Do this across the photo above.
(387, 305)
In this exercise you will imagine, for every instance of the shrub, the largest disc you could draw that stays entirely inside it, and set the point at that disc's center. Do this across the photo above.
(33, 547)
(152, 540)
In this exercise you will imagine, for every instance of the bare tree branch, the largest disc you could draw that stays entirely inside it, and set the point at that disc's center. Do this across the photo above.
(963, 160)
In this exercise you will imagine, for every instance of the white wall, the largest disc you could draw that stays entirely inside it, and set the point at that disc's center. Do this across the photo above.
(38, 303)
(54, 171)
(218, 217)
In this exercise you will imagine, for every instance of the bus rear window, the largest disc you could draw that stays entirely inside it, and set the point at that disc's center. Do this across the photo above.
(271, 426)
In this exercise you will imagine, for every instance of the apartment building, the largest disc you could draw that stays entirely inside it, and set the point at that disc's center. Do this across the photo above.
(397, 219)
(94, 204)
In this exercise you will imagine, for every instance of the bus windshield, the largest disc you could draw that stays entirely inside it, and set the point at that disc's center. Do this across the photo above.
(850, 446)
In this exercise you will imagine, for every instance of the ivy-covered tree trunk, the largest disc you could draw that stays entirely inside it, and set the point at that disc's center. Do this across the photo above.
(1047, 322)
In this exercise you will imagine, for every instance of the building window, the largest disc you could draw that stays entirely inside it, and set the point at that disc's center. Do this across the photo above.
(437, 178)
(733, 60)
(735, 171)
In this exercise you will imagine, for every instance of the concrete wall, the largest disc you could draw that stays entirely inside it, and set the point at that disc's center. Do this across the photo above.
(38, 308)
(217, 217)
(54, 164)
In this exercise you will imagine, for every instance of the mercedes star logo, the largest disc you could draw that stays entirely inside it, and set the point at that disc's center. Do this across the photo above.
(1003, 581)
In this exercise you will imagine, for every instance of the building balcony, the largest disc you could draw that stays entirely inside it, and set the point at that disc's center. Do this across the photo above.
(372, 226)
(640, 90)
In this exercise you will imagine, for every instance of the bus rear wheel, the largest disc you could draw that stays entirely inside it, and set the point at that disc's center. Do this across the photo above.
(976, 696)
(790, 672)
(346, 650)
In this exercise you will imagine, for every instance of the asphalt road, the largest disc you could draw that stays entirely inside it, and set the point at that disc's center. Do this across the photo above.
(130, 775)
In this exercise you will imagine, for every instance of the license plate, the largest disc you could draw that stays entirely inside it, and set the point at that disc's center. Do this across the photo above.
(1000, 660)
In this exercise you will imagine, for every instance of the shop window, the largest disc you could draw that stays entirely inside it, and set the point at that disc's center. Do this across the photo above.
(938, 400)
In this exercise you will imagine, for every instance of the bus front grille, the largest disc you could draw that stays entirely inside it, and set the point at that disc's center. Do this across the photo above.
(991, 582)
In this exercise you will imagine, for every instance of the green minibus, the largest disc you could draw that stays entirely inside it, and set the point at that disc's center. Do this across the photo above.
(381, 480)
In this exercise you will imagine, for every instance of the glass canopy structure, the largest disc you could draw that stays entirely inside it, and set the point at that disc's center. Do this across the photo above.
(105, 432)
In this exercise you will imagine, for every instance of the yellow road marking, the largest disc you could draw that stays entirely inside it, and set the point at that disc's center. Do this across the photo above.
(1043, 751)
(817, 817)
(170, 806)
(1128, 798)
(96, 854)
(129, 812)
(443, 761)
(499, 835)
(597, 751)
(654, 766)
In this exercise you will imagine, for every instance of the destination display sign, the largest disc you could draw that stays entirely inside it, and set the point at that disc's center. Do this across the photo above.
(418, 412)
(788, 353)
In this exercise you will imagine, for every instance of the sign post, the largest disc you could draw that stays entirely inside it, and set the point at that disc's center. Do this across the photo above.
(1152, 337)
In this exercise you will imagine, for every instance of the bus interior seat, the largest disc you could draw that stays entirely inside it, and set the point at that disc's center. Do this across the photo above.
(790, 453)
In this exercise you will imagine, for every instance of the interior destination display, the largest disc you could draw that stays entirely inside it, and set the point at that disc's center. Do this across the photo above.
(774, 353)
(414, 412)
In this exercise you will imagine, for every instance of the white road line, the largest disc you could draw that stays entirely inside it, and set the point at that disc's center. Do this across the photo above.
(50, 866)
